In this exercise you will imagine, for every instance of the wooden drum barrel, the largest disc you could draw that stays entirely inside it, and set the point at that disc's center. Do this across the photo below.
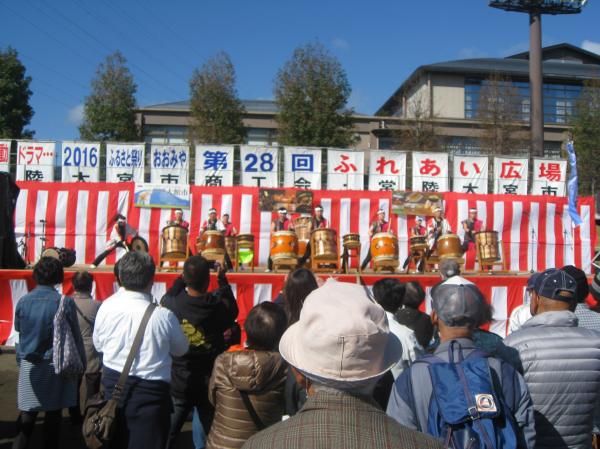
(449, 247)
(174, 241)
(324, 244)
(384, 249)
(284, 245)
(488, 246)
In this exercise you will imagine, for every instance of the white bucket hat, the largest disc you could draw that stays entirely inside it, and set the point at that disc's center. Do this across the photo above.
(341, 336)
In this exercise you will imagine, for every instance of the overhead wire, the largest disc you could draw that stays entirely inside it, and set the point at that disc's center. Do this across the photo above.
(138, 68)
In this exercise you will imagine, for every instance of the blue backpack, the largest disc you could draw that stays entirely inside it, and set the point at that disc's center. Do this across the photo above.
(466, 411)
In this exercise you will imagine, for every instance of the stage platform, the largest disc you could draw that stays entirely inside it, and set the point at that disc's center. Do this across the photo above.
(504, 291)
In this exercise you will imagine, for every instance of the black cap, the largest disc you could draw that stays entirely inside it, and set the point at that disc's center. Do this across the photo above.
(555, 284)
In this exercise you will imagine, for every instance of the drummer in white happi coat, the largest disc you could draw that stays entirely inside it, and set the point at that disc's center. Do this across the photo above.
(436, 227)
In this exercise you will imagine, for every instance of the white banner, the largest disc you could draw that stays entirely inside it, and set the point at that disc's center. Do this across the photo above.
(430, 172)
(125, 162)
(345, 170)
(510, 175)
(259, 166)
(549, 177)
(214, 165)
(470, 174)
(4, 155)
(169, 164)
(302, 168)
(35, 160)
(387, 170)
(80, 161)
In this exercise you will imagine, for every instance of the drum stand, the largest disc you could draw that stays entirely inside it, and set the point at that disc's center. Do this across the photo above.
(385, 265)
(347, 255)
(290, 263)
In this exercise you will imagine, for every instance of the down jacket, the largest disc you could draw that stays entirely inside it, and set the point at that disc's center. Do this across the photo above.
(262, 375)
(561, 366)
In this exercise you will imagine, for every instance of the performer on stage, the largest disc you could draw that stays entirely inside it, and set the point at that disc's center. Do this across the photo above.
(283, 223)
(121, 232)
(471, 225)
(213, 223)
(230, 230)
(317, 221)
(437, 226)
(418, 230)
(178, 220)
(379, 225)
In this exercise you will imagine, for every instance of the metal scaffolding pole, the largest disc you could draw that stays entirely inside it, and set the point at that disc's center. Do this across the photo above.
(536, 83)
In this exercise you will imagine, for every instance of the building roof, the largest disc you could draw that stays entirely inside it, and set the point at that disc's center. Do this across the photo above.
(252, 106)
(569, 68)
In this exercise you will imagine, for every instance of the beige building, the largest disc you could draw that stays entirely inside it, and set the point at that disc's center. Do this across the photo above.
(448, 92)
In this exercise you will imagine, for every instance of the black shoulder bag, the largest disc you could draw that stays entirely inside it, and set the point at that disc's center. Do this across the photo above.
(252, 411)
(99, 422)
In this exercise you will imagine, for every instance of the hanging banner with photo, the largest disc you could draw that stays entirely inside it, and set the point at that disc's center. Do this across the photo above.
(214, 165)
(387, 170)
(125, 162)
(549, 177)
(4, 155)
(80, 161)
(259, 166)
(470, 174)
(161, 196)
(35, 160)
(345, 170)
(169, 164)
(510, 175)
(302, 168)
(430, 172)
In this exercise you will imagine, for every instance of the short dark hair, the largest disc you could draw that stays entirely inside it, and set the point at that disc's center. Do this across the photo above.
(414, 295)
(116, 272)
(449, 268)
(389, 294)
(265, 324)
(196, 273)
(48, 271)
(82, 282)
(298, 285)
(136, 270)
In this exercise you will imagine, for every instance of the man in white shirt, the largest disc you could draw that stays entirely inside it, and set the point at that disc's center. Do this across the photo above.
(147, 405)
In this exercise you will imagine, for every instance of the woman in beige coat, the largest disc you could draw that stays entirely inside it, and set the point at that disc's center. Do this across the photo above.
(247, 386)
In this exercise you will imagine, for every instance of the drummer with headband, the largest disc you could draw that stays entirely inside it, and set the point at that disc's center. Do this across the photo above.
(178, 219)
(230, 230)
(212, 223)
(120, 233)
(471, 226)
(283, 223)
(379, 225)
(317, 221)
(437, 226)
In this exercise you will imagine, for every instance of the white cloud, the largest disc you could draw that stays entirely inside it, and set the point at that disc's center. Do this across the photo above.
(75, 114)
(340, 43)
(592, 46)
(471, 52)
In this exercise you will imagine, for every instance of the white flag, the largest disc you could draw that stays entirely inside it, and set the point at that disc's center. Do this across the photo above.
(549, 177)
(125, 162)
(214, 165)
(345, 170)
(302, 168)
(259, 166)
(35, 160)
(430, 172)
(80, 161)
(169, 164)
(387, 170)
(470, 174)
(510, 175)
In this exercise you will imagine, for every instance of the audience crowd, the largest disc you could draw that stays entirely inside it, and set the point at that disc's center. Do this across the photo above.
(328, 364)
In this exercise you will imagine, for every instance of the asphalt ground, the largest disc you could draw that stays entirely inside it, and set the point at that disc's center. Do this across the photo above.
(70, 435)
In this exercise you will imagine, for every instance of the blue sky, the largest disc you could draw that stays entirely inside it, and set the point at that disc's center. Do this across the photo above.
(379, 43)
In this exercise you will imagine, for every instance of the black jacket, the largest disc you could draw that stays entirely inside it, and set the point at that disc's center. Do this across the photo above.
(203, 320)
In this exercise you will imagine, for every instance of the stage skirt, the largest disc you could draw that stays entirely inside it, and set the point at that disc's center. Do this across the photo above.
(40, 389)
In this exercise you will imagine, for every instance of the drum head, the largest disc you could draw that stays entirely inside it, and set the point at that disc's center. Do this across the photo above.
(139, 244)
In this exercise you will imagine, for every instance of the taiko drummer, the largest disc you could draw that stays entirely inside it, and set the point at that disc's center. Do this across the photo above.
(379, 225)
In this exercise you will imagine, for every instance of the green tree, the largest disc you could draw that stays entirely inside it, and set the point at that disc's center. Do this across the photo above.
(586, 137)
(15, 111)
(215, 109)
(312, 91)
(109, 112)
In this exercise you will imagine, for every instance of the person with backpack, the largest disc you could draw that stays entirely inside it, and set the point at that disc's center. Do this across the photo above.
(460, 394)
